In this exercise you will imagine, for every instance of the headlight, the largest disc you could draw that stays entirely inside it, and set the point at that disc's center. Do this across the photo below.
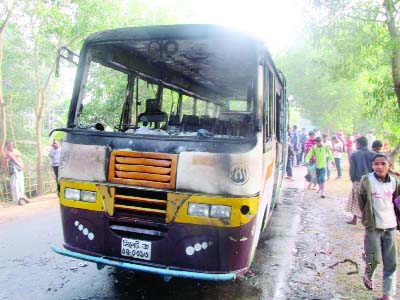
(88, 196)
(212, 211)
(72, 194)
(199, 209)
(79, 195)
(220, 211)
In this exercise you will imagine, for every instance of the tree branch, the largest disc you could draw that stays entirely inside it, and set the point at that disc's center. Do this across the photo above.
(8, 16)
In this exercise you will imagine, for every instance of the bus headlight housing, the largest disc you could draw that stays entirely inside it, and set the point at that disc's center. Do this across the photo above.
(207, 210)
(72, 194)
(88, 196)
(80, 195)
(199, 209)
(220, 211)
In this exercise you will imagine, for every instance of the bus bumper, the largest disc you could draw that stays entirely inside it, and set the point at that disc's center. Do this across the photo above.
(142, 268)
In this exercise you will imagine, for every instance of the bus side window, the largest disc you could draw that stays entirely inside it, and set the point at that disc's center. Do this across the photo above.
(278, 118)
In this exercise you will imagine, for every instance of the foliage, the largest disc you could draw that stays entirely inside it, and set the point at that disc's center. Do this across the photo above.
(342, 79)
(30, 42)
(329, 104)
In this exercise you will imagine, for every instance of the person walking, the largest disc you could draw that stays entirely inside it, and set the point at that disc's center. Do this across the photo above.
(328, 144)
(13, 163)
(360, 165)
(311, 176)
(381, 218)
(320, 152)
(337, 151)
(55, 154)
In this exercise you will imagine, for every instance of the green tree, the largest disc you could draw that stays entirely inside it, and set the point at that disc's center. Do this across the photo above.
(329, 103)
(7, 11)
(365, 37)
(44, 27)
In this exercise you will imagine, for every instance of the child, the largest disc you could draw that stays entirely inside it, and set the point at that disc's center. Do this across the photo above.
(320, 152)
(381, 217)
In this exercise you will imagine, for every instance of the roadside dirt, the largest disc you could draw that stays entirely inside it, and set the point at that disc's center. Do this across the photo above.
(328, 263)
(11, 212)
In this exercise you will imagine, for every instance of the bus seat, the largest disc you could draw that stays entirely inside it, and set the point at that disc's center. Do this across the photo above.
(223, 127)
(153, 112)
(208, 123)
(174, 120)
(190, 123)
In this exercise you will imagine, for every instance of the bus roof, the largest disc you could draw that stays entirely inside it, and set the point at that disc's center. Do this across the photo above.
(182, 31)
(209, 61)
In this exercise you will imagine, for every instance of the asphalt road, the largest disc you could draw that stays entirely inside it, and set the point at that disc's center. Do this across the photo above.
(30, 270)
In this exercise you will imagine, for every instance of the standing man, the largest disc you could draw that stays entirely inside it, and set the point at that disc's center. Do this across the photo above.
(337, 150)
(349, 146)
(303, 139)
(14, 165)
(320, 153)
(295, 142)
(327, 143)
(381, 218)
(360, 165)
(289, 163)
(370, 138)
(55, 154)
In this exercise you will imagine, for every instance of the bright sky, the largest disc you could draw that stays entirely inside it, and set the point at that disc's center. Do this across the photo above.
(278, 22)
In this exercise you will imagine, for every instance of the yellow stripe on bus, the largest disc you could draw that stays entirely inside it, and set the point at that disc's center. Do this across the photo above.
(242, 212)
(96, 206)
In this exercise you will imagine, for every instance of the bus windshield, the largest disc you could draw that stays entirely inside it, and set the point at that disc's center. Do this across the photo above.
(169, 88)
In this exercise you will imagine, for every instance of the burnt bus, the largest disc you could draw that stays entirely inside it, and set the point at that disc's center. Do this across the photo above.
(173, 152)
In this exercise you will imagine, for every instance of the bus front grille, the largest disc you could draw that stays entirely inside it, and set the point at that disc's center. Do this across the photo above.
(142, 204)
(155, 170)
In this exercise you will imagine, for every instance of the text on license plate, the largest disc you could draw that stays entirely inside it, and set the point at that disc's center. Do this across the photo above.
(136, 248)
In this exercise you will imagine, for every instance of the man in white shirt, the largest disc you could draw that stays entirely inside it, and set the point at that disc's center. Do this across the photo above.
(371, 138)
(337, 152)
(377, 198)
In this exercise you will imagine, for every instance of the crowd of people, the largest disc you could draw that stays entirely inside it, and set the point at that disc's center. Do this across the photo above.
(374, 198)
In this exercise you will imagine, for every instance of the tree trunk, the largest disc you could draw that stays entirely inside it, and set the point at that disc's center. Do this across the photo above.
(2, 104)
(39, 123)
(11, 118)
(395, 154)
(395, 39)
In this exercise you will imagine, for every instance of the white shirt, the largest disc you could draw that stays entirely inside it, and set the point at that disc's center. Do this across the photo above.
(370, 139)
(382, 203)
(327, 144)
(337, 150)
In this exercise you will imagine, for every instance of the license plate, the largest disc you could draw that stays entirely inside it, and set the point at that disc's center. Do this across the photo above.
(136, 248)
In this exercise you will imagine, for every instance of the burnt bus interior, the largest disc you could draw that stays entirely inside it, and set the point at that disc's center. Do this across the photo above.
(174, 87)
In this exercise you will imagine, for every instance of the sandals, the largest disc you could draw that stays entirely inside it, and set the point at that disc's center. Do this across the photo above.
(368, 283)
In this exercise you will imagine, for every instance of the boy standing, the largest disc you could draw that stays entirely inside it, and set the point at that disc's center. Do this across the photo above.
(381, 217)
(320, 152)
